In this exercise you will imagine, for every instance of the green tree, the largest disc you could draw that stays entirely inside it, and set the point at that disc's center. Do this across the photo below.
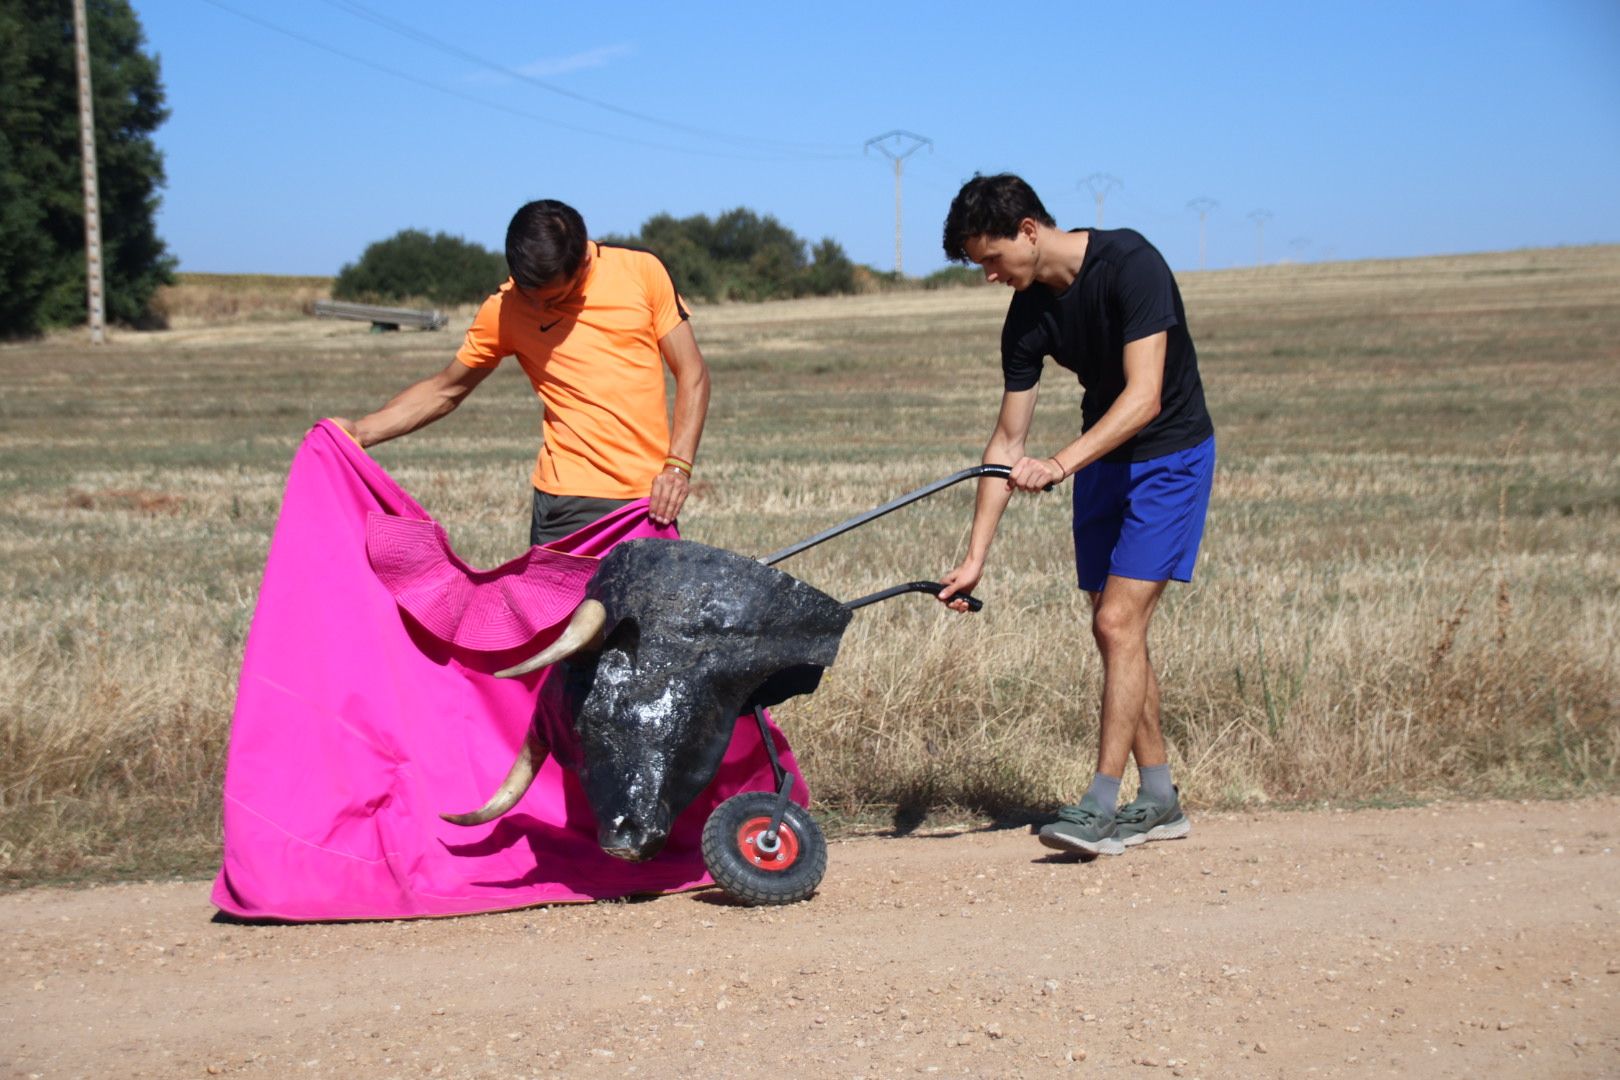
(42, 260)
(950, 277)
(831, 271)
(683, 249)
(412, 265)
(742, 255)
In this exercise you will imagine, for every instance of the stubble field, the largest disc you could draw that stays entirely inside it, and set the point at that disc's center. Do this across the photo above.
(1407, 590)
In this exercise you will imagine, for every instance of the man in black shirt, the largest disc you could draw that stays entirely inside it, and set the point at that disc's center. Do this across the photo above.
(1103, 304)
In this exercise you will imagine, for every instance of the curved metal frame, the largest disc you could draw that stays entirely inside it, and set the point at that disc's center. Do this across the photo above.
(1002, 471)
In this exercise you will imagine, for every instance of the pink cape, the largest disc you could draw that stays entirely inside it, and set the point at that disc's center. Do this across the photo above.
(366, 706)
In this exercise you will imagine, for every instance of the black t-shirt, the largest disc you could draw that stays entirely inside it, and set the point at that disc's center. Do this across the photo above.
(1124, 292)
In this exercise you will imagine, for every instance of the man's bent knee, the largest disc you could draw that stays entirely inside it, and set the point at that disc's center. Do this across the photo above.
(1118, 626)
(1120, 616)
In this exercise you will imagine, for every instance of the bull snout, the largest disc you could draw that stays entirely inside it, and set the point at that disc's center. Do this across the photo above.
(635, 838)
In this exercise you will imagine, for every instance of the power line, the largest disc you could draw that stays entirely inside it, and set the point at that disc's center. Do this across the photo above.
(899, 139)
(498, 106)
(353, 7)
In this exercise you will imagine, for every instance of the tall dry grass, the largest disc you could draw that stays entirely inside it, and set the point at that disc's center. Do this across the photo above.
(211, 299)
(1408, 586)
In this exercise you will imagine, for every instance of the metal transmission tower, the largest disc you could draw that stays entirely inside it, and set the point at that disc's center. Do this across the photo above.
(1203, 204)
(1260, 217)
(92, 201)
(1300, 244)
(1100, 184)
(898, 145)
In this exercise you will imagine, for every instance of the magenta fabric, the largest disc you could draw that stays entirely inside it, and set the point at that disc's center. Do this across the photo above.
(485, 610)
(367, 705)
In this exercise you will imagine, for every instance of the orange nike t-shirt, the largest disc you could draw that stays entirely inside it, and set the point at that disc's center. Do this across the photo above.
(594, 362)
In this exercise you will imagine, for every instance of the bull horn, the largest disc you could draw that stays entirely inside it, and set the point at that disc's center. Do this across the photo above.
(584, 630)
(517, 782)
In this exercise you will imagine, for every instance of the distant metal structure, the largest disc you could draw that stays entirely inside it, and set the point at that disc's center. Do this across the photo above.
(380, 318)
(1260, 217)
(94, 284)
(890, 145)
(1100, 184)
(1203, 204)
(1300, 244)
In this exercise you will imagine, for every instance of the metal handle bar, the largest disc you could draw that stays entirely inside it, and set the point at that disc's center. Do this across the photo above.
(1002, 471)
(932, 588)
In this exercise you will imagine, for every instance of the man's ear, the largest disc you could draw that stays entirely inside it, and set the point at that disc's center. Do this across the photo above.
(1028, 229)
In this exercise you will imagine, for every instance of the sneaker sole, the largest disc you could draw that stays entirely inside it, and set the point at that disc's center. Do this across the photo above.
(1175, 830)
(1105, 846)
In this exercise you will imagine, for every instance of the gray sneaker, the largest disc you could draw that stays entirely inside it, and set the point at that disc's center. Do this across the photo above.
(1083, 828)
(1142, 819)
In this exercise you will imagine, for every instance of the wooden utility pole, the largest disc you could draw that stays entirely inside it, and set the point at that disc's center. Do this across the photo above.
(898, 138)
(92, 201)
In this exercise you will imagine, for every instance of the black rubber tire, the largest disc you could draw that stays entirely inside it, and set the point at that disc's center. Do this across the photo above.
(738, 876)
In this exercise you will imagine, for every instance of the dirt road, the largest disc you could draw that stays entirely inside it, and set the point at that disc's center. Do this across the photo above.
(1461, 940)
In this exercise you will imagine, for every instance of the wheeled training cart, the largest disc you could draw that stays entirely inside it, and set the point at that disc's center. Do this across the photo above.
(759, 846)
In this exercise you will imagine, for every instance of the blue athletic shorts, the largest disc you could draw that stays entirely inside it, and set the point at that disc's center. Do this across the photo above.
(1142, 519)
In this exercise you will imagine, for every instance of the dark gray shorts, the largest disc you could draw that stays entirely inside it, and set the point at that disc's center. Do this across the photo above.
(555, 516)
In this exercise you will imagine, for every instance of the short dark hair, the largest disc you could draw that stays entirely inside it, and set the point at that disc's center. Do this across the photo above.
(990, 206)
(544, 243)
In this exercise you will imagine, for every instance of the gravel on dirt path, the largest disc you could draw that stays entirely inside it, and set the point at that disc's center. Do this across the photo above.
(1452, 940)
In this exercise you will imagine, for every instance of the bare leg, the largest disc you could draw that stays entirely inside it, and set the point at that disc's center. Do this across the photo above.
(1130, 705)
(1148, 747)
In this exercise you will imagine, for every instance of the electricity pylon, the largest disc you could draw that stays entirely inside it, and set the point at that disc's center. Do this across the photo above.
(1300, 244)
(1099, 184)
(898, 145)
(92, 200)
(1260, 217)
(1203, 204)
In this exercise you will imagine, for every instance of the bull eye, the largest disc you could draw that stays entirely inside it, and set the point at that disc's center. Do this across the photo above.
(625, 636)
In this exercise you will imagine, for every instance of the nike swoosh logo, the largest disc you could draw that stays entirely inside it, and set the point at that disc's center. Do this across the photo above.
(547, 326)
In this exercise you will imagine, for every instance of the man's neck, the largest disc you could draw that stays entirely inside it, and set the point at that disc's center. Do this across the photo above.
(1062, 254)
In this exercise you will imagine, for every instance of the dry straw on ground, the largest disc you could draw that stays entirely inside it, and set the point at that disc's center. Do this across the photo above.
(212, 299)
(1408, 585)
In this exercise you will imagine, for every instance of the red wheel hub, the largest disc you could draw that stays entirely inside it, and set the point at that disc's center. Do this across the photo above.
(753, 843)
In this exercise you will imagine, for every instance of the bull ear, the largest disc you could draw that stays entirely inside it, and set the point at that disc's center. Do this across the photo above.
(583, 633)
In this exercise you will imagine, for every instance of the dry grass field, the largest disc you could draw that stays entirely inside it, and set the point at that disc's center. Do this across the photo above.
(208, 299)
(1408, 587)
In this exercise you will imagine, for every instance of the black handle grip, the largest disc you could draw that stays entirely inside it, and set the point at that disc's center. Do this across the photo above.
(1005, 472)
(973, 602)
(933, 588)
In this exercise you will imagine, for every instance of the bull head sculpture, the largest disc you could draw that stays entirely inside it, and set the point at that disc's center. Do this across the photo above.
(673, 642)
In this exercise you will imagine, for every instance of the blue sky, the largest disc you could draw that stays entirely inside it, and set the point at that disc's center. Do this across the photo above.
(304, 130)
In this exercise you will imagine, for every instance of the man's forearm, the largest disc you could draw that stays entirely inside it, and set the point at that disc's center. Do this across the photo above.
(412, 408)
(992, 499)
(1132, 411)
(419, 404)
(690, 413)
(988, 508)
(1124, 419)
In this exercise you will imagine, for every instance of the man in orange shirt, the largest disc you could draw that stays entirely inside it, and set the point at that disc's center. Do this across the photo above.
(593, 326)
